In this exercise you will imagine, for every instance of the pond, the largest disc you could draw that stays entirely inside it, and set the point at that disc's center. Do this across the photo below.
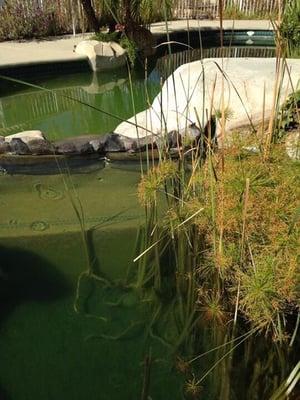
(64, 333)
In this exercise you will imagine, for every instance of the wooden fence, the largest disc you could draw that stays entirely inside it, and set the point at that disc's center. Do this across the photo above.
(167, 64)
(70, 15)
(210, 8)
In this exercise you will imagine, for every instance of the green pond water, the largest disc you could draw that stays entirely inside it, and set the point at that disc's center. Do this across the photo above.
(58, 342)
(60, 117)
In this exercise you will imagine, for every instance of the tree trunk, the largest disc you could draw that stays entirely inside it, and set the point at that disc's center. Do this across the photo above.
(91, 15)
(127, 11)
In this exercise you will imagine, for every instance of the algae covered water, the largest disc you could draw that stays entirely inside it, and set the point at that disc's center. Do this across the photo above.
(59, 341)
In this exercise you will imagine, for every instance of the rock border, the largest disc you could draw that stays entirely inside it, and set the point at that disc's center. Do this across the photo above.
(31, 152)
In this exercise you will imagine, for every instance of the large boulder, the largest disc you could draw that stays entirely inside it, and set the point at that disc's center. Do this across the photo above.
(102, 55)
(195, 88)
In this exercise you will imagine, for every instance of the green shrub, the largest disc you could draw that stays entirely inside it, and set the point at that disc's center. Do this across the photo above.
(106, 37)
(290, 26)
(131, 48)
(19, 21)
(288, 116)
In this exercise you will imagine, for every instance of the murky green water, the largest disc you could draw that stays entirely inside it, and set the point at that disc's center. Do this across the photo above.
(48, 349)
(60, 117)
(58, 341)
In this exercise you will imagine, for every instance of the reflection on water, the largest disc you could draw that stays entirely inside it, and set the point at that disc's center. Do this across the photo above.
(56, 114)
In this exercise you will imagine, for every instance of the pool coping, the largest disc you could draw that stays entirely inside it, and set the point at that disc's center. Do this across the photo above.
(61, 49)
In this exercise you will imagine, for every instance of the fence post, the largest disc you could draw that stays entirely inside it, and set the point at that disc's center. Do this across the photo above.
(73, 17)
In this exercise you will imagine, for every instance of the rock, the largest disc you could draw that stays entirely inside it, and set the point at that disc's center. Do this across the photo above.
(116, 143)
(129, 144)
(98, 144)
(142, 144)
(65, 148)
(17, 146)
(113, 143)
(26, 136)
(292, 145)
(187, 95)
(76, 145)
(102, 55)
(40, 147)
(4, 147)
(190, 132)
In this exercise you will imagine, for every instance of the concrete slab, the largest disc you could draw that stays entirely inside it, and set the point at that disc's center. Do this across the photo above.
(60, 49)
(159, 28)
(14, 53)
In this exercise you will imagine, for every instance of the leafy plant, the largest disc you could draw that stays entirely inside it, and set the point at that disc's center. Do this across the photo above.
(131, 48)
(288, 116)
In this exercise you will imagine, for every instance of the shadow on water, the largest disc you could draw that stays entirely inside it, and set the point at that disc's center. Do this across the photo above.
(25, 276)
(4, 395)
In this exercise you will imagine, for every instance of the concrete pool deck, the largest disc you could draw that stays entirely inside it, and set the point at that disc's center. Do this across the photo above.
(61, 49)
